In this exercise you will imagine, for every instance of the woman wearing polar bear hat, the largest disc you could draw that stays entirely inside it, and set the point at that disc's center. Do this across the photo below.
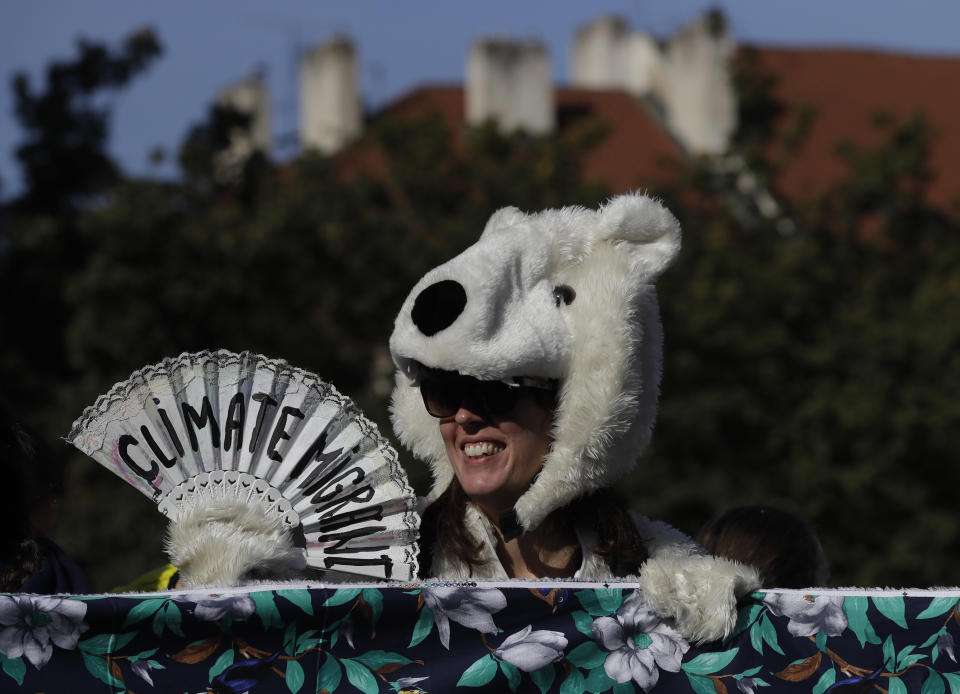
(528, 376)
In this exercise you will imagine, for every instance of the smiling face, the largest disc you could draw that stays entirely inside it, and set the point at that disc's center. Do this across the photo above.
(495, 458)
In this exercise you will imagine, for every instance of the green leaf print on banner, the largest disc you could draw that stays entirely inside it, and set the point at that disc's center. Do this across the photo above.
(512, 674)
(934, 684)
(299, 597)
(142, 655)
(142, 610)
(710, 663)
(544, 677)
(610, 599)
(892, 608)
(855, 608)
(267, 610)
(600, 602)
(377, 659)
(480, 673)
(937, 607)
(587, 656)
(746, 617)
(105, 644)
(701, 685)
(756, 636)
(289, 638)
(423, 627)
(896, 686)
(597, 681)
(306, 641)
(168, 617)
(907, 657)
(573, 684)
(14, 667)
(341, 596)
(98, 667)
(889, 655)
(821, 640)
(374, 598)
(294, 676)
(330, 675)
(932, 638)
(826, 680)
(769, 633)
(582, 621)
(222, 663)
(953, 679)
(360, 677)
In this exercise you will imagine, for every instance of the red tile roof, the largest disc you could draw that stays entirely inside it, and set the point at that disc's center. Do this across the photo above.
(846, 88)
(635, 153)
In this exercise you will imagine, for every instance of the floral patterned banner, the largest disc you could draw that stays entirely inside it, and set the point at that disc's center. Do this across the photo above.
(505, 637)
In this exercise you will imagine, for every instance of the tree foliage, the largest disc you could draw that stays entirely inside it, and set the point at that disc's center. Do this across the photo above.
(815, 369)
(818, 369)
(301, 261)
(66, 171)
(66, 124)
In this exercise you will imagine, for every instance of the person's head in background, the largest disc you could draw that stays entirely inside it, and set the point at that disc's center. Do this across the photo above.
(33, 480)
(780, 544)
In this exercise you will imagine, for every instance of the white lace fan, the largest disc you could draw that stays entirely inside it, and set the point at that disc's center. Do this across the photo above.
(240, 451)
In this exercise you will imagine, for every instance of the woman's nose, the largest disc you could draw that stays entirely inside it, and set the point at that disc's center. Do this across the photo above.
(465, 415)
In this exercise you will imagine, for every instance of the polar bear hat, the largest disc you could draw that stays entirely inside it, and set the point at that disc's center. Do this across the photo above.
(563, 294)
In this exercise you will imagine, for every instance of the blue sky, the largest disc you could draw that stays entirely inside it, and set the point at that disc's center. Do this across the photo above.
(401, 44)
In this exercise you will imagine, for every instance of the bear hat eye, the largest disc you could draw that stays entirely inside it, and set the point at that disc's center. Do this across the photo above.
(565, 294)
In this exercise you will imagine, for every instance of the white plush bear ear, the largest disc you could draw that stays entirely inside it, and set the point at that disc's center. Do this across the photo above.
(504, 217)
(648, 231)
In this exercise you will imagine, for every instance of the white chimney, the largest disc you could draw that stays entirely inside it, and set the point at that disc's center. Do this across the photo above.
(697, 89)
(607, 55)
(330, 113)
(643, 64)
(510, 82)
(251, 97)
(597, 54)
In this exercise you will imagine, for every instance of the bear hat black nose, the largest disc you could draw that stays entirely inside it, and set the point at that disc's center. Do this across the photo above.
(438, 306)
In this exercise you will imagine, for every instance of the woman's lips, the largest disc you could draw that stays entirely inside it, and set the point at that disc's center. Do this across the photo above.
(477, 450)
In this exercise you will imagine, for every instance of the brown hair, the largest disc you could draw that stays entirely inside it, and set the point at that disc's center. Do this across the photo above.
(619, 542)
(444, 523)
(780, 544)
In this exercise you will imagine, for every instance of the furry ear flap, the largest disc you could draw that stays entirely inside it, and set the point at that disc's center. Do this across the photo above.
(646, 230)
(228, 541)
(418, 431)
(504, 217)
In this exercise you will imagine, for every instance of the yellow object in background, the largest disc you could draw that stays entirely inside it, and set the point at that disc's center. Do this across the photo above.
(157, 579)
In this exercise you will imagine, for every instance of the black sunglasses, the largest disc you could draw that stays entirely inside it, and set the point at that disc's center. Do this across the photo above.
(444, 394)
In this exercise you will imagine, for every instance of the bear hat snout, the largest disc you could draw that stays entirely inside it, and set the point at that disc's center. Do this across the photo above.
(438, 306)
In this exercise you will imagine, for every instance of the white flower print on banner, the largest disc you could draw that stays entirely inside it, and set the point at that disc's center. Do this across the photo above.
(473, 608)
(33, 625)
(530, 650)
(808, 615)
(640, 645)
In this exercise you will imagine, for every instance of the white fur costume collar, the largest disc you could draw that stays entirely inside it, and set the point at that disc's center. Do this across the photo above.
(697, 592)
(500, 309)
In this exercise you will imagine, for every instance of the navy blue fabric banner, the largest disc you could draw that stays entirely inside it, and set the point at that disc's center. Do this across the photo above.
(504, 637)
